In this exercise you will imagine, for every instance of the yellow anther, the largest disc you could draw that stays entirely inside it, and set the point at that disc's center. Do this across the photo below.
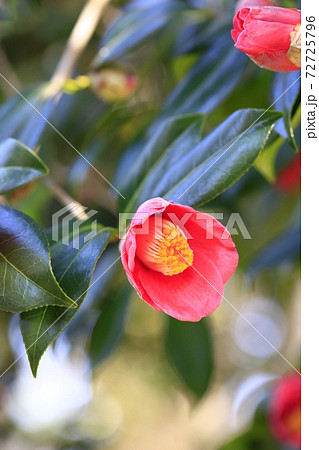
(164, 248)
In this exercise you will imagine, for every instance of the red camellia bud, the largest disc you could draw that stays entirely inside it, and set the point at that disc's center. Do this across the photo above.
(285, 410)
(178, 259)
(270, 36)
(248, 3)
(289, 179)
(112, 84)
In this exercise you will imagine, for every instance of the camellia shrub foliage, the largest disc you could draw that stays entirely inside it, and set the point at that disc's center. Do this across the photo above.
(126, 111)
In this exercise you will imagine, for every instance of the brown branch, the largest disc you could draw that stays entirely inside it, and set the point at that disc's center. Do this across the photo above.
(3, 200)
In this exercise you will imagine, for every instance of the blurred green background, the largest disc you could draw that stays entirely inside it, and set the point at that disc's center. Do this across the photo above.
(111, 379)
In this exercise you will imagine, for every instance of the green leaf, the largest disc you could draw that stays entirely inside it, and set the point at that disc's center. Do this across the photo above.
(134, 28)
(220, 159)
(285, 91)
(21, 120)
(80, 169)
(211, 80)
(266, 161)
(26, 278)
(172, 137)
(18, 165)
(189, 349)
(174, 159)
(74, 269)
(109, 326)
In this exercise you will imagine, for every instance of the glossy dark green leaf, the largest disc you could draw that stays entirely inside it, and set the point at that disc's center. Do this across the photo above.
(74, 269)
(175, 165)
(220, 159)
(109, 326)
(211, 80)
(172, 137)
(285, 92)
(189, 348)
(198, 36)
(80, 167)
(26, 278)
(18, 165)
(25, 122)
(135, 27)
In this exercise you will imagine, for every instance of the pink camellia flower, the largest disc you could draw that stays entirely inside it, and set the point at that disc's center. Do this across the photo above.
(285, 410)
(178, 259)
(248, 3)
(270, 36)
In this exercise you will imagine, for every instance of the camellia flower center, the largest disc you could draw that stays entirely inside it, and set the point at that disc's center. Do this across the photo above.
(293, 421)
(164, 248)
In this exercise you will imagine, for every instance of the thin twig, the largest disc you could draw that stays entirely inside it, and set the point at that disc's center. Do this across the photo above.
(3, 200)
(79, 38)
(59, 193)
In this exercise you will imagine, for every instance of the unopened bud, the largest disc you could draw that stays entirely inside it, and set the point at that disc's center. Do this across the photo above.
(248, 3)
(113, 84)
(270, 36)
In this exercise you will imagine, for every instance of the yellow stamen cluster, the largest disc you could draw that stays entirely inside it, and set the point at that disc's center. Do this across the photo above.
(174, 251)
(293, 421)
(165, 249)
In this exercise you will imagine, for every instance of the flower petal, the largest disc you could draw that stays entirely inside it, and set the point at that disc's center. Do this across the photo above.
(154, 206)
(189, 296)
(265, 34)
(275, 14)
(267, 37)
(276, 62)
(198, 290)
(209, 237)
(128, 249)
